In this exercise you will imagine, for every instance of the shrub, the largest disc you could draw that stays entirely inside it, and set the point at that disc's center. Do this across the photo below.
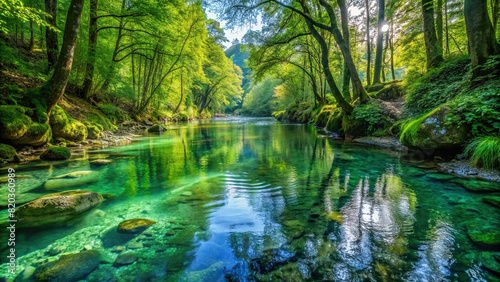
(114, 113)
(365, 120)
(437, 86)
(484, 152)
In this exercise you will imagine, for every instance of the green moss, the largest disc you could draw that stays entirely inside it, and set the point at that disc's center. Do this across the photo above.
(7, 152)
(484, 152)
(324, 115)
(56, 153)
(114, 113)
(13, 121)
(334, 124)
(63, 125)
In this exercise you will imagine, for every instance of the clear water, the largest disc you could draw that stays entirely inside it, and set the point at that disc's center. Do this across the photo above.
(243, 199)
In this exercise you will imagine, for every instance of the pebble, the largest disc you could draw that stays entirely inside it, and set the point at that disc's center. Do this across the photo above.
(125, 259)
(118, 249)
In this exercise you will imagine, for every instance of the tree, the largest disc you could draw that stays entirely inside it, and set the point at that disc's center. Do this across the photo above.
(432, 49)
(51, 33)
(89, 69)
(480, 33)
(53, 89)
(380, 42)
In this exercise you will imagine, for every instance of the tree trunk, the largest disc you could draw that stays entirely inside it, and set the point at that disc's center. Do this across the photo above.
(89, 70)
(380, 42)
(368, 45)
(32, 37)
(51, 34)
(359, 90)
(446, 31)
(480, 33)
(346, 78)
(391, 46)
(439, 23)
(55, 86)
(325, 63)
(433, 52)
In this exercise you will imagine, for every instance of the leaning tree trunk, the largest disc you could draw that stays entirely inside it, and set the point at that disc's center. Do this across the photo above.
(51, 33)
(433, 52)
(480, 33)
(53, 89)
(380, 42)
(89, 70)
(346, 77)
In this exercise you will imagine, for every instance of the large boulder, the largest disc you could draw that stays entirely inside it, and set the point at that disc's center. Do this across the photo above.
(434, 131)
(73, 179)
(73, 267)
(135, 225)
(64, 126)
(56, 153)
(57, 207)
(18, 126)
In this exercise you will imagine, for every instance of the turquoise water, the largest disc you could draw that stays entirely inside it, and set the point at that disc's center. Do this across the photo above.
(245, 199)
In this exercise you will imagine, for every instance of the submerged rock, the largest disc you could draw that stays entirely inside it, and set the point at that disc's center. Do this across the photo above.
(57, 207)
(493, 200)
(124, 259)
(478, 185)
(134, 226)
(73, 179)
(26, 274)
(100, 162)
(485, 237)
(71, 267)
(489, 261)
(56, 153)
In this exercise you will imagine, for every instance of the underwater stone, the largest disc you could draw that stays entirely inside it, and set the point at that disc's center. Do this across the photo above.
(73, 179)
(488, 260)
(56, 153)
(485, 237)
(57, 207)
(135, 225)
(124, 259)
(478, 186)
(71, 267)
(99, 162)
(26, 274)
(135, 245)
(493, 200)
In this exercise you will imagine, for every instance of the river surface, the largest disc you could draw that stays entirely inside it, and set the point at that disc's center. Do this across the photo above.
(251, 199)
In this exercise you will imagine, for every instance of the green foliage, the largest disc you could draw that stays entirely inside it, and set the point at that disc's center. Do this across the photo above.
(437, 86)
(114, 113)
(484, 152)
(365, 120)
(259, 102)
(17, 10)
(14, 120)
(24, 64)
(479, 108)
(409, 128)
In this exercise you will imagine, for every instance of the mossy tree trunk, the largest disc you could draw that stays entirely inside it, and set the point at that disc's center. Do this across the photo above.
(480, 33)
(51, 33)
(53, 89)
(432, 50)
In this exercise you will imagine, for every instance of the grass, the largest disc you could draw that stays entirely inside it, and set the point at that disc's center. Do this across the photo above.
(484, 152)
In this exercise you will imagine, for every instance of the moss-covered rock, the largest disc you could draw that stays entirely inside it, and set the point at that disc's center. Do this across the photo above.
(63, 125)
(365, 120)
(56, 207)
(485, 237)
(7, 152)
(433, 131)
(157, 128)
(324, 115)
(17, 126)
(387, 92)
(72, 267)
(94, 131)
(56, 153)
(135, 225)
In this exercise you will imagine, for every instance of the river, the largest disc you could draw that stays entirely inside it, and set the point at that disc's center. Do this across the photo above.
(244, 199)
